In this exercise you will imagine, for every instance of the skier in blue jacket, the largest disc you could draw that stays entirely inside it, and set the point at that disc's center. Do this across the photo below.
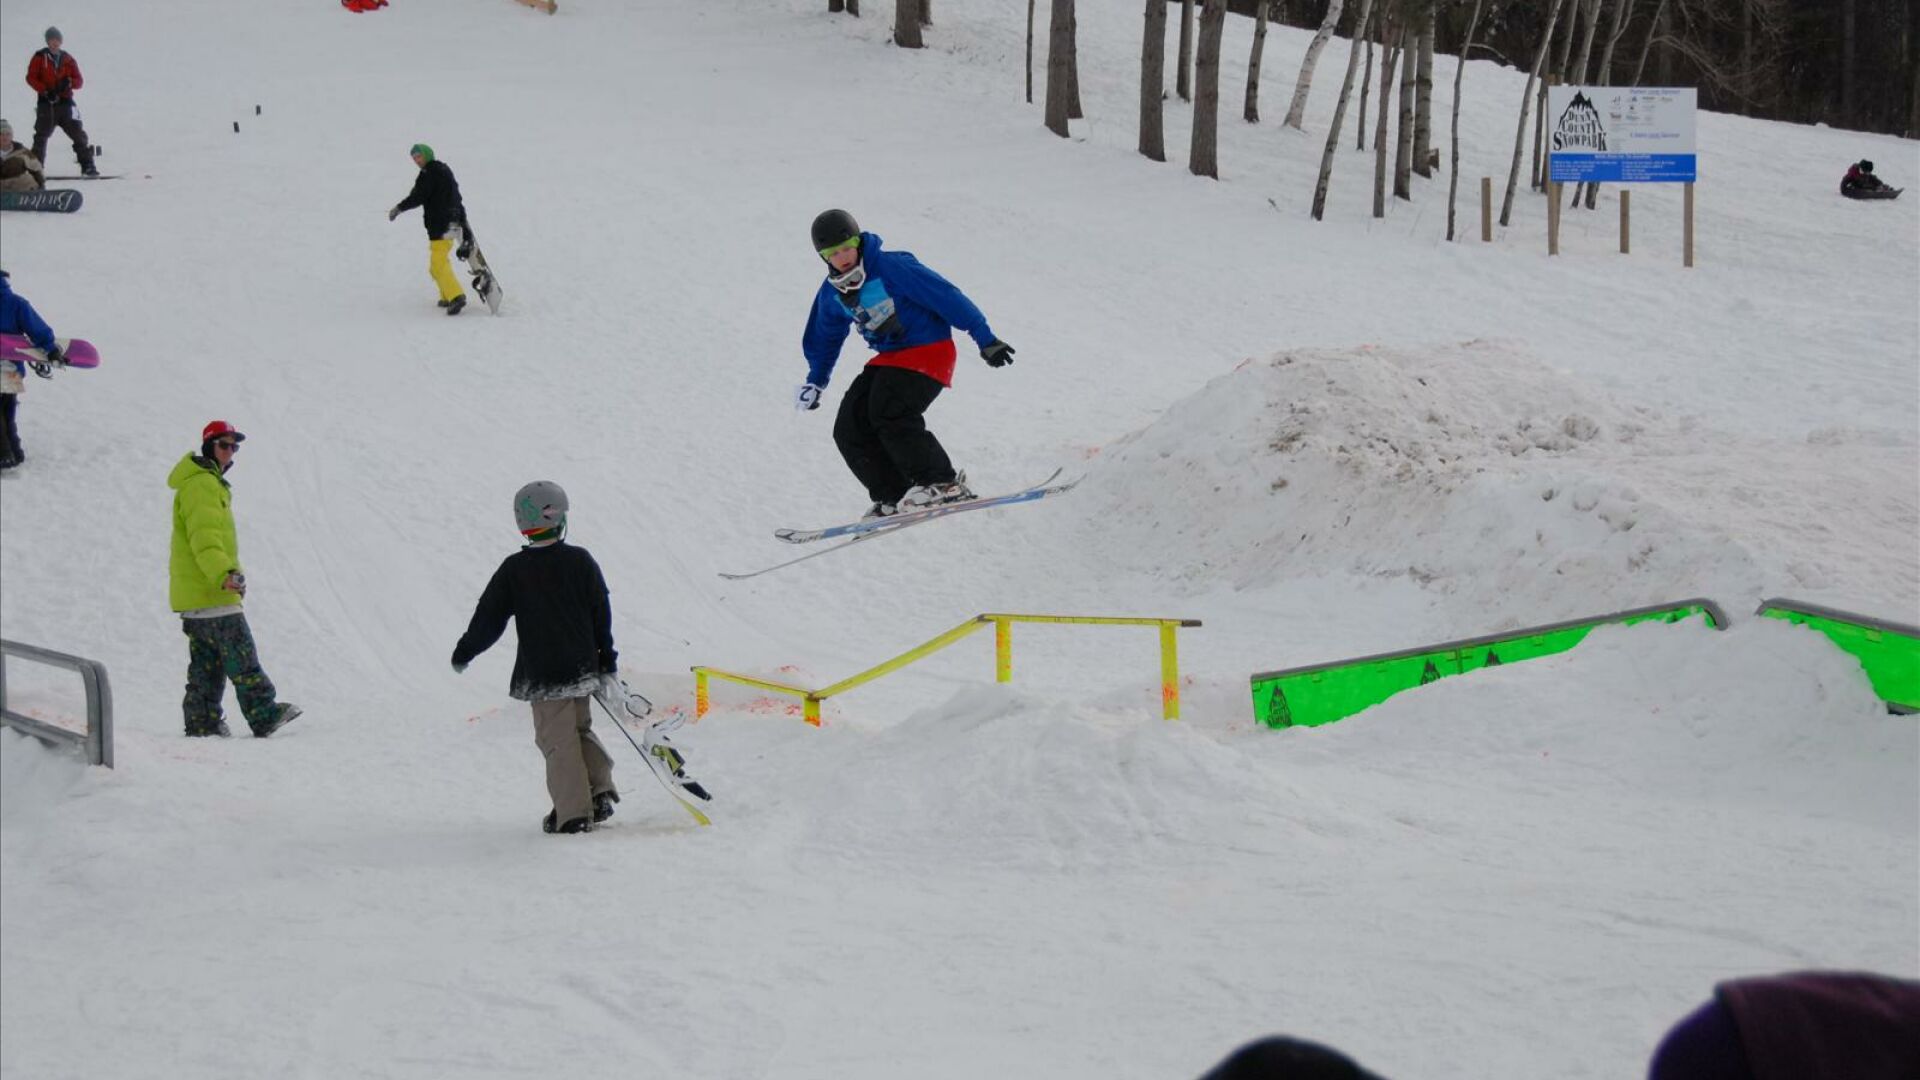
(18, 317)
(906, 313)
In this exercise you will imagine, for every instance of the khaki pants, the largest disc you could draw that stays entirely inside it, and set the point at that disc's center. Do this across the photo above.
(578, 767)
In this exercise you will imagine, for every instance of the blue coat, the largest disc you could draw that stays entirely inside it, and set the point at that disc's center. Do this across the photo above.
(18, 317)
(903, 304)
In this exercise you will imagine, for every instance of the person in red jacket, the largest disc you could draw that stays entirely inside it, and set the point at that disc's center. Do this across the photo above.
(55, 75)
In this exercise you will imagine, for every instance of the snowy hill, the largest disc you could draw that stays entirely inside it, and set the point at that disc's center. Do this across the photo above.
(1320, 439)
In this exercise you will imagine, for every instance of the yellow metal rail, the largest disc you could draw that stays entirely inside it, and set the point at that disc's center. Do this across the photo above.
(1002, 661)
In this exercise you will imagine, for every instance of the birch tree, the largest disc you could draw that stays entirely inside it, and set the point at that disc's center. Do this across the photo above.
(1466, 46)
(1252, 111)
(1340, 112)
(1403, 131)
(1298, 109)
(1366, 85)
(1059, 48)
(1203, 158)
(1030, 51)
(1526, 100)
(1389, 59)
(1423, 94)
(1153, 76)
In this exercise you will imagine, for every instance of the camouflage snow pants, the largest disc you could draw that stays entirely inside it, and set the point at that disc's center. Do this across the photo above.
(219, 649)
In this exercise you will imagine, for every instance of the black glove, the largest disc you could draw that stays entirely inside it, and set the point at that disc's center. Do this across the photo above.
(997, 353)
(393, 213)
(55, 356)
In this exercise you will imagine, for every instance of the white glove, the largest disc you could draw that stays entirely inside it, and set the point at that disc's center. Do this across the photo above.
(806, 398)
(614, 691)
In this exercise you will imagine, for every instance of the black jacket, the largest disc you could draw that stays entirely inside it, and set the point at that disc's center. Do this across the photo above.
(558, 602)
(438, 193)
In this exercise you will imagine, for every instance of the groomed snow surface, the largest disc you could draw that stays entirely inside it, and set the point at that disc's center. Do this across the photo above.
(1322, 440)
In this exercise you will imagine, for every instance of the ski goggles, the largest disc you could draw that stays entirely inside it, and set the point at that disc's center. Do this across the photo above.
(849, 244)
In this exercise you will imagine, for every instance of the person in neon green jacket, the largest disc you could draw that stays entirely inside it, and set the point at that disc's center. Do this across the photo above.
(206, 586)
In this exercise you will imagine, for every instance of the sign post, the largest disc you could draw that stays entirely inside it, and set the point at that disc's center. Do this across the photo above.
(1622, 135)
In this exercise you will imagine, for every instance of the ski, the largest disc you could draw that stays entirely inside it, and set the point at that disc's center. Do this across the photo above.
(817, 552)
(666, 762)
(868, 525)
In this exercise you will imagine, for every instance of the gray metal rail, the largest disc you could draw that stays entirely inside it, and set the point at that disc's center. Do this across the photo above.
(98, 741)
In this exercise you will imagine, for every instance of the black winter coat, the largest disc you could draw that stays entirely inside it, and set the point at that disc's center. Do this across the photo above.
(438, 194)
(558, 601)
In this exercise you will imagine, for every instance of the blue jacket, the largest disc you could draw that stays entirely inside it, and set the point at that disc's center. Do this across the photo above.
(18, 317)
(903, 304)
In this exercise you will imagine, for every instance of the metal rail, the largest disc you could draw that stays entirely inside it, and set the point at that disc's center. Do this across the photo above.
(97, 743)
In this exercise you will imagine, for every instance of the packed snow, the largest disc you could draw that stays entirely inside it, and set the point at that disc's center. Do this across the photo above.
(1320, 439)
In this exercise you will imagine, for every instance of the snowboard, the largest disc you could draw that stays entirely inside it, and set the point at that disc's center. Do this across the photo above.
(81, 176)
(79, 352)
(663, 759)
(484, 282)
(866, 525)
(50, 200)
(1878, 193)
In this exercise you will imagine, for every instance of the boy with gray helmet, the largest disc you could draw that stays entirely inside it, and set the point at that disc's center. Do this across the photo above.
(557, 599)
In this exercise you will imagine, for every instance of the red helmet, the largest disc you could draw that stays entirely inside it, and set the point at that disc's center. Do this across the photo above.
(217, 428)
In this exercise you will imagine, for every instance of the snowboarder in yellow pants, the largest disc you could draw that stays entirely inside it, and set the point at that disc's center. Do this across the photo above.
(438, 194)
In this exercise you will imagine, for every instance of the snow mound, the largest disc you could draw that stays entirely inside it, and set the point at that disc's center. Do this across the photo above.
(33, 777)
(1510, 489)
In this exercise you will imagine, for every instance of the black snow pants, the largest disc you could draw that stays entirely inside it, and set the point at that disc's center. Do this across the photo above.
(60, 114)
(882, 432)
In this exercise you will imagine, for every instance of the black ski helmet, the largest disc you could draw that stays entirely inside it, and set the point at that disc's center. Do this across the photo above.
(1866, 166)
(832, 228)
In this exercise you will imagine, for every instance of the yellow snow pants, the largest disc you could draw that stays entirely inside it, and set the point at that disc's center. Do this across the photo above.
(442, 269)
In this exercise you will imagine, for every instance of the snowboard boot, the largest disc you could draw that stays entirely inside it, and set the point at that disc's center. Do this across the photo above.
(281, 718)
(458, 302)
(573, 825)
(443, 303)
(219, 730)
(603, 805)
(921, 496)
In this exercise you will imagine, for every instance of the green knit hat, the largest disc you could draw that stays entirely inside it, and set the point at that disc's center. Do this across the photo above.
(425, 151)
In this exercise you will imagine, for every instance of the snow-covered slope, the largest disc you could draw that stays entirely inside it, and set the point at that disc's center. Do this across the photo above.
(1320, 439)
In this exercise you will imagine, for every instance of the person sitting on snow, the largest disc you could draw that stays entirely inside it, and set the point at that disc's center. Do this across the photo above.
(19, 169)
(1859, 179)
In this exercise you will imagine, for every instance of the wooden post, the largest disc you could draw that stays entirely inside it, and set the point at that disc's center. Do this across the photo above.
(1553, 214)
(1625, 215)
(1486, 209)
(1686, 231)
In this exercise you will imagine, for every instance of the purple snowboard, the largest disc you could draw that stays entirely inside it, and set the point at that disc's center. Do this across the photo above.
(79, 353)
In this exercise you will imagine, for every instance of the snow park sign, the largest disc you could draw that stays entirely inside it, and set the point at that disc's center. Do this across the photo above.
(1620, 135)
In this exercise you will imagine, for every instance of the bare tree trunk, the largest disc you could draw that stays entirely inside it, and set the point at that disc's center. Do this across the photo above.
(926, 12)
(1403, 130)
(1558, 71)
(1466, 46)
(1388, 60)
(1423, 96)
(1653, 34)
(1059, 50)
(1073, 64)
(1153, 77)
(906, 24)
(1340, 112)
(1183, 70)
(1526, 100)
(1252, 111)
(1203, 158)
(1577, 74)
(1030, 51)
(1297, 110)
(835, 7)
(853, 8)
(1366, 86)
(1604, 72)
